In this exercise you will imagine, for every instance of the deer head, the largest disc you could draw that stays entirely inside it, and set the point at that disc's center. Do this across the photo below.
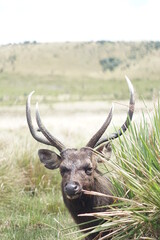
(78, 167)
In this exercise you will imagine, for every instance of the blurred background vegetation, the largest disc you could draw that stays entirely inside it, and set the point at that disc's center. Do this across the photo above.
(78, 71)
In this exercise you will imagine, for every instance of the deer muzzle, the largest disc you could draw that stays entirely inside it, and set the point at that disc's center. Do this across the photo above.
(72, 190)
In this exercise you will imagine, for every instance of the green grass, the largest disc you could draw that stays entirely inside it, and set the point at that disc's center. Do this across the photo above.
(33, 217)
(31, 204)
(14, 89)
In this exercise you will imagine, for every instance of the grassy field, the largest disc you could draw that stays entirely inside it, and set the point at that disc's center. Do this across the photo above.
(31, 205)
(78, 71)
(67, 77)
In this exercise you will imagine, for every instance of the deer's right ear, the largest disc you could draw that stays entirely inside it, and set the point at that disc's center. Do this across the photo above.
(50, 159)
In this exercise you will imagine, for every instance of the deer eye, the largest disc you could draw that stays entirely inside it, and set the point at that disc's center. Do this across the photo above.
(63, 170)
(88, 170)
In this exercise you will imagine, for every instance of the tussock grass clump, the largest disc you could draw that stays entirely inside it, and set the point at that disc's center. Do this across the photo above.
(135, 213)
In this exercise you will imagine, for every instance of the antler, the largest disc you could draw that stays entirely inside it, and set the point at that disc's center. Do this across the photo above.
(126, 124)
(50, 140)
(95, 141)
(100, 132)
(54, 141)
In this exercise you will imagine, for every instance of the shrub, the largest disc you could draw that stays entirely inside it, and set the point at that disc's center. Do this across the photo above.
(109, 63)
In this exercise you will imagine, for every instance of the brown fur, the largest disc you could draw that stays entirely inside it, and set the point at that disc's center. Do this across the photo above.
(80, 167)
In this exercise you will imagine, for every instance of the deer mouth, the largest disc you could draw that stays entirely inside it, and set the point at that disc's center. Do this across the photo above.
(75, 196)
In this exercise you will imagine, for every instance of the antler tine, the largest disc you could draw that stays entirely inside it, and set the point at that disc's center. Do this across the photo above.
(126, 124)
(100, 132)
(30, 124)
(54, 142)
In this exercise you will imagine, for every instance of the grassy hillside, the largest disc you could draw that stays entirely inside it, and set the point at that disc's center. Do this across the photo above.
(78, 71)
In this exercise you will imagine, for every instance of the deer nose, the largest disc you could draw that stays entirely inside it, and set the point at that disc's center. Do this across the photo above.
(72, 188)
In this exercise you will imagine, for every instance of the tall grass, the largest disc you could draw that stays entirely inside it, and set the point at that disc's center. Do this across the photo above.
(31, 205)
(135, 173)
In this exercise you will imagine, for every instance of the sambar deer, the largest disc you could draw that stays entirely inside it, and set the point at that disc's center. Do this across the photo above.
(78, 167)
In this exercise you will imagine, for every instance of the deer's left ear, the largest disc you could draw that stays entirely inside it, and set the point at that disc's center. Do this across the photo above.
(106, 150)
(51, 160)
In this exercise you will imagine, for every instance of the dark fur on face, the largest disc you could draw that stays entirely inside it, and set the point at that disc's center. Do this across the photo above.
(77, 169)
(79, 172)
